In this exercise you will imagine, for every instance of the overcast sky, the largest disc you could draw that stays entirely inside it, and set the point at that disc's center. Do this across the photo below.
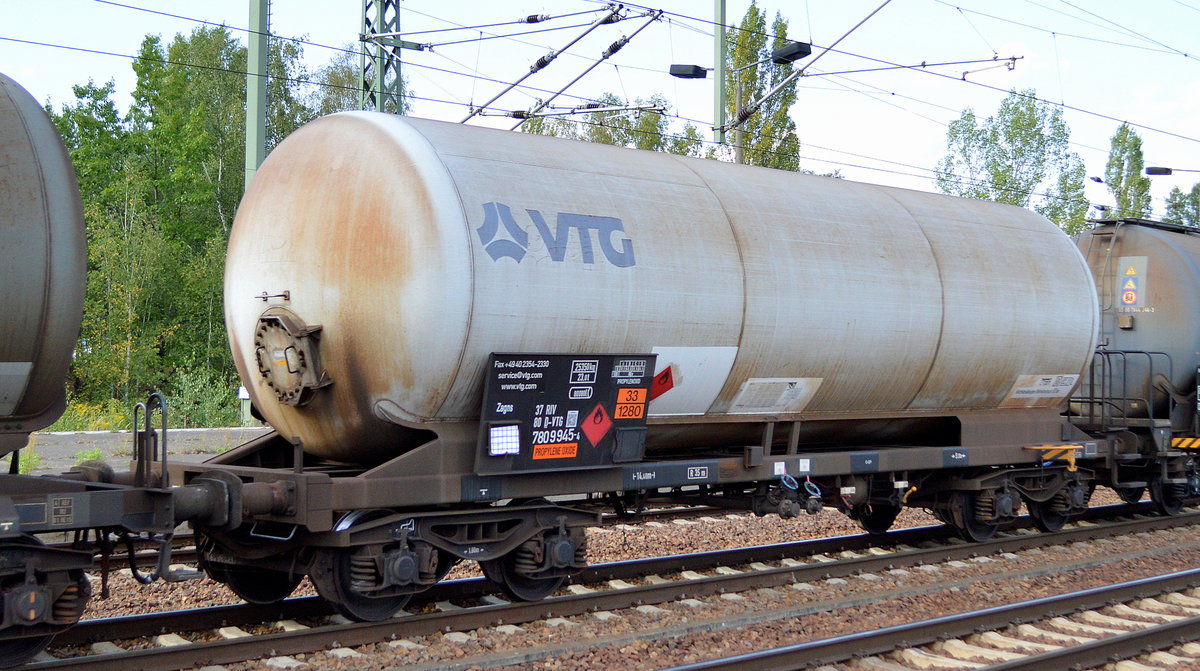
(1106, 60)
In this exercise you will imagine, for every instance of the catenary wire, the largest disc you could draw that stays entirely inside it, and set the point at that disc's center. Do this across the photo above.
(707, 22)
(1055, 32)
(339, 49)
(413, 97)
(1128, 30)
(958, 180)
(492, 25)
(418, 65)
(483, 38)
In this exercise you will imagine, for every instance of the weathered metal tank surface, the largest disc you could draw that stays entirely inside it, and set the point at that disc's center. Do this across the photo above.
(1148, 277)
(377, 260)
(42, 267)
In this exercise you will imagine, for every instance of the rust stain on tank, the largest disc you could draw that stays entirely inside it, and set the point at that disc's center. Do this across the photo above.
(352, 255)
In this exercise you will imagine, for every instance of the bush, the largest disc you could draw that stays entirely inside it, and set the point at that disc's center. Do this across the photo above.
(30, 459)
(94, 454)
(201, 398)
(110, 415)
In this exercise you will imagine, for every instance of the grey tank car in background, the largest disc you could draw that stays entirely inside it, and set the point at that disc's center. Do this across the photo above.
(42, 266)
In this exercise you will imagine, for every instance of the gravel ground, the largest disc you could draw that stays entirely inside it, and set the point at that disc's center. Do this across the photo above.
(726, 625)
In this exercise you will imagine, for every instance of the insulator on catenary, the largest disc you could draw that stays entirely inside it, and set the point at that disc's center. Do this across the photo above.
(615, 47)
(543, 61)
(612, 18)
(519, 114)
(534, 18)
(745, 114)
(589, 106)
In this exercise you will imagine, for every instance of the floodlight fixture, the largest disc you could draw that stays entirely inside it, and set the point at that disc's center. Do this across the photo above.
(1156, 170)
(689, 71)
(790, 52)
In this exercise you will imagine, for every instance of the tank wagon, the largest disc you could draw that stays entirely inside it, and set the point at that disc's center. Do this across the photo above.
(1140, 391)
(44, 253)
(466, 338)
(42, 270)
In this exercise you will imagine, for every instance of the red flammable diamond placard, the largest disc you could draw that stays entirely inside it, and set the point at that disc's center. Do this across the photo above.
(663, 382)
(596, 424)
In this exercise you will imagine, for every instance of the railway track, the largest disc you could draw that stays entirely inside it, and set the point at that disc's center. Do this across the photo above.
(1077, 630)
(464, 605)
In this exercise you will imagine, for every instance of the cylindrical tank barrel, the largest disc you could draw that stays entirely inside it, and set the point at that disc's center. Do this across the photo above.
(42, 266)
(377, 260)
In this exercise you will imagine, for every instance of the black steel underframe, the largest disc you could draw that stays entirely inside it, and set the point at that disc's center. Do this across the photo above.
(425, 488)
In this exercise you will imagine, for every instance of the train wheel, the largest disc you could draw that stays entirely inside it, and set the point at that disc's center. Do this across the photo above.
(877, 519)
(446, 561)
(942, 515)
(513, 583)
(1130, 494)
(504, 571)
(17, 648)
(259, 585)
(962, 511)
(1045, 517)
(17, 651)
(1165, 498)
(333, 575)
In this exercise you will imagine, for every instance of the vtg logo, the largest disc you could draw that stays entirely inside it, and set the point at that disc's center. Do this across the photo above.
(515, 246)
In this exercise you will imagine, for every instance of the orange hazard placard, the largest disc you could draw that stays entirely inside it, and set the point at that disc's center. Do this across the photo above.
(555, 451)
(629, 411)
(631, 396)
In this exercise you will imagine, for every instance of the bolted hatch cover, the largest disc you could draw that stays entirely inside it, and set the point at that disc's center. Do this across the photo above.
(288, 358)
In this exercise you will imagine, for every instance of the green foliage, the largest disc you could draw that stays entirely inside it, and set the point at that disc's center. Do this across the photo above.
(1183, 208)
(340, 80)
(287, 109)
(1014, 155)
(198, 397)
(769, 136)
(107, 415)
(29, 460)
(1123, 175)
(160, 188)
(94, 454)
(126, 307)
(1066, 203)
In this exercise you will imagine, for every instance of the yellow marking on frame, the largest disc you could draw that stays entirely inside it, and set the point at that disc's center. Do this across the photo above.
(1052, 452)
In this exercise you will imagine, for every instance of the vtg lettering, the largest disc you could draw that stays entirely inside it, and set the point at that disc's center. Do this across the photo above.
(516, 244)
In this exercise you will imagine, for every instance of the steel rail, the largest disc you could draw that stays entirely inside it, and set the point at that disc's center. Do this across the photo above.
(1099, 652)
(318, 638)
